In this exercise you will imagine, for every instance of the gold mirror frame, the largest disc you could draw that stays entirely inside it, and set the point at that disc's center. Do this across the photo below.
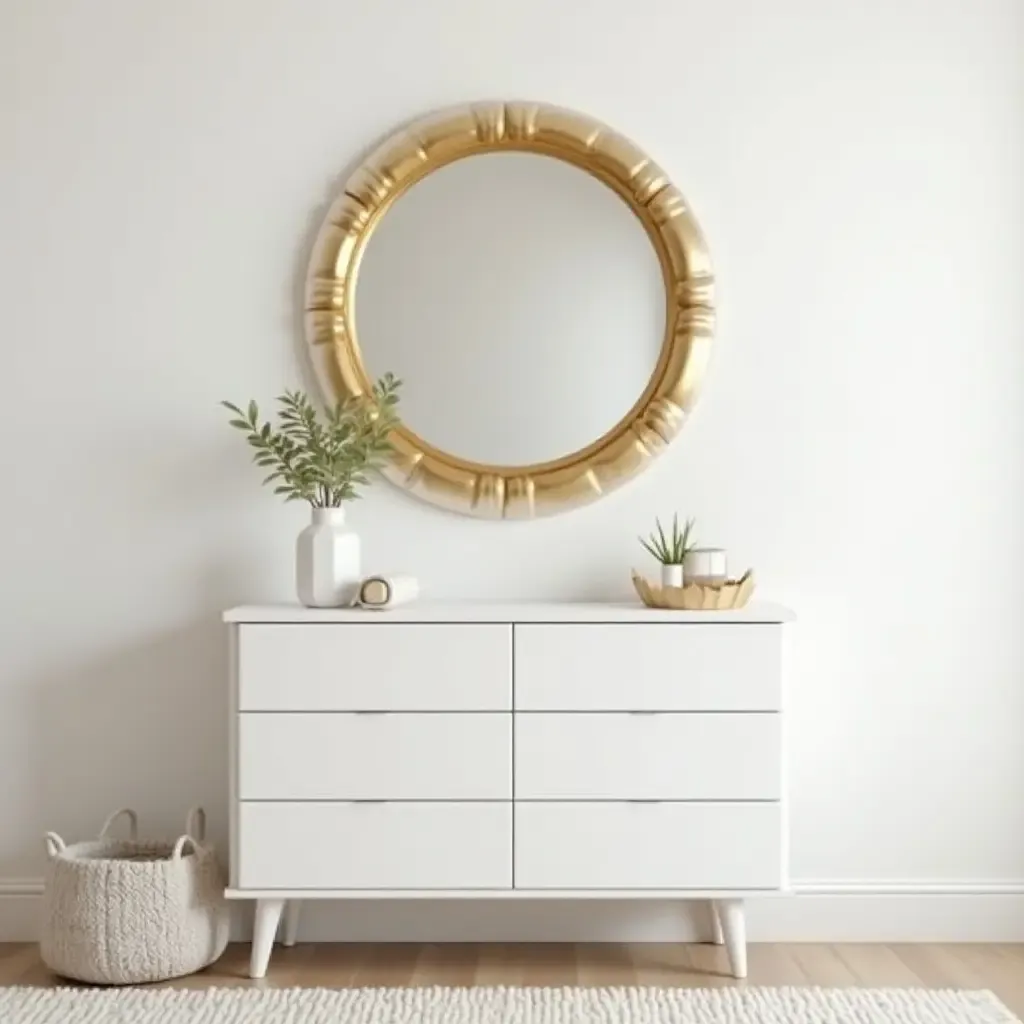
(430, 143)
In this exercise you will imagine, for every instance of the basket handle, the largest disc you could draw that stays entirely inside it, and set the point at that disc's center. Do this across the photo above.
(179, 847)
(133, 823)
(55, 846)
(195, 824)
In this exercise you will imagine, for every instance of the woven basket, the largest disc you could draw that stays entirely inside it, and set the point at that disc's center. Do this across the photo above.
(120, 912)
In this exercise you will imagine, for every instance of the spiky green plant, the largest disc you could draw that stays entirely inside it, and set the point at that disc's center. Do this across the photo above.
(322, 459)
(673, 549)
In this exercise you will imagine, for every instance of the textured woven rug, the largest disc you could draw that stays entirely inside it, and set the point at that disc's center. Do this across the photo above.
(500, 1006)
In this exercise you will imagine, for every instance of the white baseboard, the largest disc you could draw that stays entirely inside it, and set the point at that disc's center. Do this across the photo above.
(19, 908)
(909, 887)
(841, 910)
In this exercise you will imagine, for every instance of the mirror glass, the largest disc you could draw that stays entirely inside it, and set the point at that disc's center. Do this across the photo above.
(520, 301)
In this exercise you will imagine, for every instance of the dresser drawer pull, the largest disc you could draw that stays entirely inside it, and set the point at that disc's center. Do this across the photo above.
(368, 801)
(645, 712)
(644, 800)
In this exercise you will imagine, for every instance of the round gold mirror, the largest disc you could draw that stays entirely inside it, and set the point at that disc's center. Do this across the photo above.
(551, 328)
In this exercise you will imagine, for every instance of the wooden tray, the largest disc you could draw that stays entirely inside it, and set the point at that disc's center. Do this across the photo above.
(694, 597)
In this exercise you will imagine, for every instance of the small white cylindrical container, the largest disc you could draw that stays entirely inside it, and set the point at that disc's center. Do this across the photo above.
(706, 566)
(671, 575)
(327, 561)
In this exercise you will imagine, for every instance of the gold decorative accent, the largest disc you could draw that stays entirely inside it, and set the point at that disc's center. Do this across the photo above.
(519, 492)
(695, 597)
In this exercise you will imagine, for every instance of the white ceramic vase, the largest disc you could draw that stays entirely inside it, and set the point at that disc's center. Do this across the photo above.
(671, 575)
(327, 564)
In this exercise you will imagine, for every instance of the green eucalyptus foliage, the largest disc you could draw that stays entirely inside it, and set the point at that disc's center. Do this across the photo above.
(673, 549)
(322, 459)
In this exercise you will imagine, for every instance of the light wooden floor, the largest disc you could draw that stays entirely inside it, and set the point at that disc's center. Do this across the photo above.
(997, 967)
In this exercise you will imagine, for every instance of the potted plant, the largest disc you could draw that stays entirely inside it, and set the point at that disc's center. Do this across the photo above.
(323, 459)
(671, 551)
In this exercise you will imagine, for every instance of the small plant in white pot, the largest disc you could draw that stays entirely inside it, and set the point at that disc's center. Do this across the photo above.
(670, 550)
(323, 459)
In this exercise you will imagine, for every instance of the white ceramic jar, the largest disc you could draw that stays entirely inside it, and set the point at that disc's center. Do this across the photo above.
(706, 566)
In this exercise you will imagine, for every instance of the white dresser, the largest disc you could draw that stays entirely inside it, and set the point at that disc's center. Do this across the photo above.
(523, 751)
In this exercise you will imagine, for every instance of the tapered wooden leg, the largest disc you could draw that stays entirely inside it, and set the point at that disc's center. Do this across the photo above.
(291, 922)
(734, 931)
(716, 924)
(268, 916)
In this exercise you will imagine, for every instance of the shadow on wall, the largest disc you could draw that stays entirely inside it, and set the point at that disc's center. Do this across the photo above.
(144, 726)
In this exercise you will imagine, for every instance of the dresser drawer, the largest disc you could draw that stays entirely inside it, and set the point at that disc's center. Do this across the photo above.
(375, 667)
(613, 756)
(648, 666)
(648, 846)
(374, 756)
(375, 845)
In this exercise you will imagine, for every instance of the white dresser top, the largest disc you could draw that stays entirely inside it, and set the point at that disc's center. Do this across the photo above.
(495, 611)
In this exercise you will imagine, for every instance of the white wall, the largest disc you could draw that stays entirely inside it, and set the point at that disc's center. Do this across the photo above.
(858, 170)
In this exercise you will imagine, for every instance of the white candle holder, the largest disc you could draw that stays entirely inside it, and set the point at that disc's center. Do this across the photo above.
(706, 566)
